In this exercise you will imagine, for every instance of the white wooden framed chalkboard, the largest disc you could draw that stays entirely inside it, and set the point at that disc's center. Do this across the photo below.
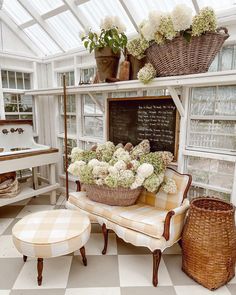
(155, 118)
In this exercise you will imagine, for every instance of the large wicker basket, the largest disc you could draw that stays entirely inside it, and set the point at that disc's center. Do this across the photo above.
(209, 242)
(112, 196)
(9, 186)
(179, 57)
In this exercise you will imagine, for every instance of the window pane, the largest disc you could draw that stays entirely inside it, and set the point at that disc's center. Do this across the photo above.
(26, 117)
(10, 98)
(202, 101)
(25, 103)
(4, 79)
(19, 79)
(27, 80)
(227, 58)
(12, 79)
(72, 79)
(12, 117)
(89, 105)
(93, 126)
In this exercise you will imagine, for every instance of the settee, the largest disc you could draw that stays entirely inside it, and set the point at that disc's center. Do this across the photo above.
(155, 221)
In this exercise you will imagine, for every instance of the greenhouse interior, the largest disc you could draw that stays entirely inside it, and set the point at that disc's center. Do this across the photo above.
(117, 147)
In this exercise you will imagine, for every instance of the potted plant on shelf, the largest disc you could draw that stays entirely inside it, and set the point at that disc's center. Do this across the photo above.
(115, 175)
(107, 45)
(181, 44)
(136, 55)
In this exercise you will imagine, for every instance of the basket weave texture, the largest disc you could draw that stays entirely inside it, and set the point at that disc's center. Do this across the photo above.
(9, 188)
(179, 57)
(209, 242)
(112, 196)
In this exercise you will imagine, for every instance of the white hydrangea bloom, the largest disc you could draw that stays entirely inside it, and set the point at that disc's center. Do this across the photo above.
(181, 17)
(145, 170)
(120, 165)
(100, 171)
(93, 163)
(137, 182)
(110, 22)
(121, 154)
(148, 31)
(119, 24)
(113, 171)
(75, 167)
(154, 19)
(135, 165)
(75, 152)
(107, 23)
(99, 181)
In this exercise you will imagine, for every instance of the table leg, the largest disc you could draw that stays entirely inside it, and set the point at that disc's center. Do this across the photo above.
(24, 258)
(40, 270)
(82, 252)
(52, 177)
(35, 178)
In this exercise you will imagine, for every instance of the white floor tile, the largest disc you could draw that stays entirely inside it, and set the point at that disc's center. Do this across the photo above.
(136, 270)
(32, 209)
(4, 223)
(93, 291)
(5, 292)
(200, 290)
(233, 281)
(55, 274)
(7, 248)
(95, 245)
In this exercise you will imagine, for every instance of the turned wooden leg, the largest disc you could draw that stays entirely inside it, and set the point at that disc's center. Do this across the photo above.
(24, 258)
(105, 235)
(156, 262)
(40, 270)
(82, 252)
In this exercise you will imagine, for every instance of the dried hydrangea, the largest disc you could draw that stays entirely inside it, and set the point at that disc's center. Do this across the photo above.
(120, 165)
(155, 159)
(145, 170)
(181, 17)
(153, 182)
(147, 31)
(100, 171)
(137, 182)
(137, 47)
(121, 154)
(147, 73)
(110, 22)
(141, 149)
(74, 168)
(159, 38)
(169, 186)
(134, 164)
(166, 27)
(155, 19)
(204, 22)
(86, 174)
(111, 181)
(75, 154)
(126, 178)
(94, 162)
(167, 157)
(105, 151)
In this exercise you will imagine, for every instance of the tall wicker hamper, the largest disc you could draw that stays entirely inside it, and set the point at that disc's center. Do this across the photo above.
(209, 242)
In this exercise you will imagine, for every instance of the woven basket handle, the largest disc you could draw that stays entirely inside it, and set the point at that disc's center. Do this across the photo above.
(222, 29)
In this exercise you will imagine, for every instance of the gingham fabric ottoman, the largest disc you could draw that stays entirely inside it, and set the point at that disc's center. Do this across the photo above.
(50, 234)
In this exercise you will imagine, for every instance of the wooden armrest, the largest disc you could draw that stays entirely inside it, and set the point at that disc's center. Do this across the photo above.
(166, 233)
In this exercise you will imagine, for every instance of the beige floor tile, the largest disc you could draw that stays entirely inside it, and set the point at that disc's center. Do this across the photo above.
(28, 209)
(199, 290)
(159, 290)
(93, 291)
(5, 223)
(9, 271)
(7, 248)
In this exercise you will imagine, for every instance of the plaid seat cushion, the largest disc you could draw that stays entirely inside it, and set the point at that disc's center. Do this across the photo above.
(163, 200)
(51, 233)
(140, 217)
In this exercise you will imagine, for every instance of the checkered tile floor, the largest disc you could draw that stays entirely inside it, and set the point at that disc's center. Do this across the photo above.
(125, 270)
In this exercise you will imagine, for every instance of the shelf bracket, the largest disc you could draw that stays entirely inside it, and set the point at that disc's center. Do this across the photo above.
(96, 102)
(176, 100)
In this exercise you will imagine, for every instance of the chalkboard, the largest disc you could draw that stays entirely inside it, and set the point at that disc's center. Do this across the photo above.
(152, 118)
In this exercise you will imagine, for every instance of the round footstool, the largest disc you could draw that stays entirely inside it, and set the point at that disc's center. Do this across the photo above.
(50, 234)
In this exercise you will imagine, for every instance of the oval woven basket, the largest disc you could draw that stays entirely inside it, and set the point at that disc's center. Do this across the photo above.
(179, 57)
(209, 242)
(112, 196)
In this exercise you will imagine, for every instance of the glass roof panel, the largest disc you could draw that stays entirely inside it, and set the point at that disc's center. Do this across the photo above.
(42, 40)
(67, 28)
(141, 8)
(16, 11)
(96, 10)
(44, 6)
(217, 4)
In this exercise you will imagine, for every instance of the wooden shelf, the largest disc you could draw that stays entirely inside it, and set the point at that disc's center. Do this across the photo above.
(28, 192)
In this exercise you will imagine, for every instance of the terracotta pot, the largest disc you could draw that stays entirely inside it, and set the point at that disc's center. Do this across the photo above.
(107, 63)
(135, 66)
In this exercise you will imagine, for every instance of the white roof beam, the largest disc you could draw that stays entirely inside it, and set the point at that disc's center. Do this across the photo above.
(36, 16)
(196, 6)
(20, 34)
(76, 12)
(125, 7)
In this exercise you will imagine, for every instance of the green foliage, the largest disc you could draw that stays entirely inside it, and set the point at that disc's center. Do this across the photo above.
(107, 38)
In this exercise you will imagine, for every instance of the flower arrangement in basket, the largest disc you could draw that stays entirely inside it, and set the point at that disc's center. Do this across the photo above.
(115, 175)
(180, 43)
